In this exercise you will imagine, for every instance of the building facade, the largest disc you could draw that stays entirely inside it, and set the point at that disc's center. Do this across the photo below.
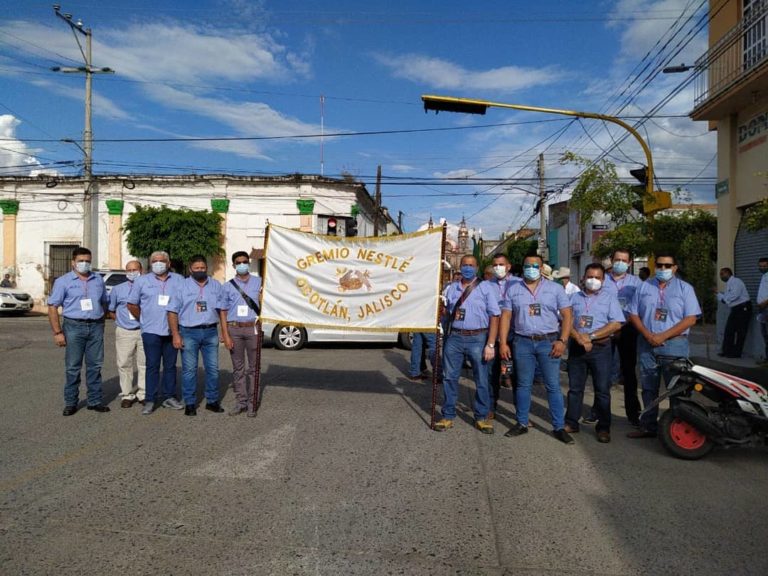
(732, 95)
(42, 218)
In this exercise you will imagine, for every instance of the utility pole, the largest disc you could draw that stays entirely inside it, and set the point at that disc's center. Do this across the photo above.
(377, 202)
(543, 248)
(90, 198)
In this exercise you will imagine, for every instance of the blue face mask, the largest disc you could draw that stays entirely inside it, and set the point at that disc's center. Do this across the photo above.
(243, 269)
(468, 272)
(531, 273)
(663, 274)
(620, 267)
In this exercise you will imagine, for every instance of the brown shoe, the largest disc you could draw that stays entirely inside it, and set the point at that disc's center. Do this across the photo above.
(603, 437)
(126, 403)
(443, 424)
(571, 429)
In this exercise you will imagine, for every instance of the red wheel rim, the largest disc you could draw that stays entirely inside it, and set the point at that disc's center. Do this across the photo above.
(685, 435)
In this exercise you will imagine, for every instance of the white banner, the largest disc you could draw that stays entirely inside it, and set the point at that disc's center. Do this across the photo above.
(388, 283)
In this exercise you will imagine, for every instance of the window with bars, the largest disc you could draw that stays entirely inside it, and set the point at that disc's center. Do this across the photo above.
(755, 17)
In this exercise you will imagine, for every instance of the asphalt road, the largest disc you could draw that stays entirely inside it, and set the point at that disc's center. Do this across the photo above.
(340, 474)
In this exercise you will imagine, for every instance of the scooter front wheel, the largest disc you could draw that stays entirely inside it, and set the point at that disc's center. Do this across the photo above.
(682, 439)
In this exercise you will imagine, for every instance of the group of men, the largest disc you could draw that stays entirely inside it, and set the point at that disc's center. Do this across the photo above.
(157, 315)
(533, 321)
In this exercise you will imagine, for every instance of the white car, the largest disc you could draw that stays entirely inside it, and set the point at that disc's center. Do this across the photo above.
(289, 337)
(14, 300)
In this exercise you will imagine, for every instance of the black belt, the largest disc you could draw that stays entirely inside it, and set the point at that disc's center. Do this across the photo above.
(85, 320)
(200, 327)
(538, 337)
(130, 329)
(469, 332)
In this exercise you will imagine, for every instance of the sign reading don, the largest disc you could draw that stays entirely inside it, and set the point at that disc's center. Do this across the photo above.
(389, 283)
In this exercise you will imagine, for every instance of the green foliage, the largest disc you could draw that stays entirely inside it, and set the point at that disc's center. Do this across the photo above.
(182, 233)
(600, 190)
(756, 216)
(632, 236)
(519, 248)
(697, 267)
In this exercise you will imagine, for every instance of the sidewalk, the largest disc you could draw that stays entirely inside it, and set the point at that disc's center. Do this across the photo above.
(704, 350)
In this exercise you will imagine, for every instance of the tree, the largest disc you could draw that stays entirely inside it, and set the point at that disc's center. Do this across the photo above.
(519, 248)
(182, 233)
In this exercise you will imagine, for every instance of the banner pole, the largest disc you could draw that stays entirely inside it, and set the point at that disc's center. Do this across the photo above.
(437, 364)
(256, 401)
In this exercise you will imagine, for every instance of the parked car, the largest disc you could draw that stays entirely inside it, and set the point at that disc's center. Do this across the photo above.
(289, 337)
(112, 278)
(15, 300)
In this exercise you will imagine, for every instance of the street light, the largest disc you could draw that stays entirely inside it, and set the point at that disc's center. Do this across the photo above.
(677, 69)
(90, 201)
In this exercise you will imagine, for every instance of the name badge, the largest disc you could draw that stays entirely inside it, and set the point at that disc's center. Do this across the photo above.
(534, 309)
(661, 314)
(460, 313)
(162, 299)
(201, 306)
(242, 310)
(585, 321)
(86, 305)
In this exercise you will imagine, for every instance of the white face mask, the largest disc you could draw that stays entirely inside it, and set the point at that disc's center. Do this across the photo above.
(159, 268)
(83, 267)
(593, 284)
(132, 275)
(500, 271)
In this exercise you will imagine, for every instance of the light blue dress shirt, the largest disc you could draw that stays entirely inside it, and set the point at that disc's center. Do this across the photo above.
(593, 311)
(535, 313)
(480, 305)
(80, 299)
(118, 300)
(624, 288)
(661, 309)
(196, 305)
(735, 293)
(234, 303)
(153, 296)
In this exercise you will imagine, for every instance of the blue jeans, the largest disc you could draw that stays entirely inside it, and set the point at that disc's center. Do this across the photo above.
(457, 347)
(420, 341)
(85, 340)
(157, 349)
(198, 342)
(651, 370)
(530, 355)
(598, 362)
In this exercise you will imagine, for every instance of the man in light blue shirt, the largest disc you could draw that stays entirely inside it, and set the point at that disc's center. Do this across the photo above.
(148, 301)
(663, 311)
(533, 309)
(83, 299)
(239, 327)
(737, 299)
(762, 305)
(471, 322)
(624, 285)
(597, 315)
(193, 316)
(129, 349)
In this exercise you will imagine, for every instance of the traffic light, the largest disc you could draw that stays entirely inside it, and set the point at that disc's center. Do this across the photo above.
(352, 226)
(331, 227)
(648, 203)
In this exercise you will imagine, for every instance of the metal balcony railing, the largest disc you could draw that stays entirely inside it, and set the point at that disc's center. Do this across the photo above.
(736, 55)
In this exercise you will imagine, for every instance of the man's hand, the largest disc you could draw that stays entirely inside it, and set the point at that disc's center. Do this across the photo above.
(656, 340)
(178, 341)
(228, 342)
(558, 348)
(488, 353)
(60, 340)
(504, 351)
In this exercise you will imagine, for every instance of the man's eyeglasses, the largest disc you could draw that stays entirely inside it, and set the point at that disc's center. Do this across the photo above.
(528, 266)
(664, 265)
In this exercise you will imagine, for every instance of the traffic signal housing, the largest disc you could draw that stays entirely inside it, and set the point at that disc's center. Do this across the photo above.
(331, 227)
(351, 227)
(648, 203)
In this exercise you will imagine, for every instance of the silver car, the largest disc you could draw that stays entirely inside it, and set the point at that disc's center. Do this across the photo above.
(289, 337)
(14, 300)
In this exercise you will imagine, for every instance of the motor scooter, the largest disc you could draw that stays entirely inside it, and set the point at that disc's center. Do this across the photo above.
(710, 408)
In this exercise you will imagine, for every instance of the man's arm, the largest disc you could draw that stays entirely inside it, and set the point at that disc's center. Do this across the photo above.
(558, 346)
(493, 330)
(684, 324)
(53, 319)
(225, 337)
(173, 324)
(504, 325)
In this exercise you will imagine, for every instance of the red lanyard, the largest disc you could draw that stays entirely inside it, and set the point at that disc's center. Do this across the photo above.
(535, 292)
(200, 291)
(85, 287)
(661, 295)
(587, 298)
(162, 283)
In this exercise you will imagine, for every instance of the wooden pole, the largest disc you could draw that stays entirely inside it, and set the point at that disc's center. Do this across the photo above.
(256, 402)
(437, 365)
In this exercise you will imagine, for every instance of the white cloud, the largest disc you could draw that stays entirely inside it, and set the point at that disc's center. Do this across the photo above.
(439, 73)
(402, 168)
(459, 173)
(15, 156)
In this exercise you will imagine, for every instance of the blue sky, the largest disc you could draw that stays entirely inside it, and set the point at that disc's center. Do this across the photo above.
(240, 69)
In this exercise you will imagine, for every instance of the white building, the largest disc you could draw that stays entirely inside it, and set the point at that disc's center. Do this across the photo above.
(42, 218)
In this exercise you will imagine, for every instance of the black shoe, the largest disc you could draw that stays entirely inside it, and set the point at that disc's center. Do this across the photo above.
(634, 422)
(214, 407)
(99, 408)
(190, 410)
(641, 433)
(69, 410)
(563, 436)
(591, 419)
(516, 430)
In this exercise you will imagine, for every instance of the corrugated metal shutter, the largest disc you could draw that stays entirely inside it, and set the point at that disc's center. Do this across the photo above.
(747, 249)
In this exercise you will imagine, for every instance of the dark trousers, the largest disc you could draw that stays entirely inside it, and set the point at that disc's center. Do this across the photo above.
(736, 329)
(495, 376)
(625, 345)
(596, 362)
(159, 349)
